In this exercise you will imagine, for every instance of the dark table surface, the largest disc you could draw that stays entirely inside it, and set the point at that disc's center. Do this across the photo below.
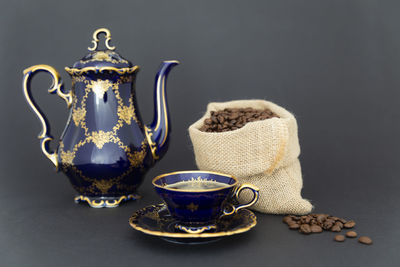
(334, 64)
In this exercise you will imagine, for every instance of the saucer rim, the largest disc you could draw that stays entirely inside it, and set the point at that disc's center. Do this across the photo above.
(189, 235)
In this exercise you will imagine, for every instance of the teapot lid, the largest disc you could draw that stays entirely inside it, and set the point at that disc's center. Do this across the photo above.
(102, 60)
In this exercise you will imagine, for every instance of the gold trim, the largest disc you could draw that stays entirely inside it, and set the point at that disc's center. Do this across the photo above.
(105, 203)
(239, 189)
(165, 113)
(152, 144)
(195, 230)
(95, 40)
(75, 71)
(56, 87)
(164, 103)
(199, 235)
(205, 190)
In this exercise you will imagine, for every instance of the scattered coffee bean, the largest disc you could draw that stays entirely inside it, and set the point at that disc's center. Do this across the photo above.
(336, 228)
(339, 223)
(287, 219)
(321, 218)
(365, 240)
(339, 238)
(231, 119)
(294, 218)
(317, 223)
(305, 229)
(316, 229)
(350, 224)
(351, 234)
(327, 225)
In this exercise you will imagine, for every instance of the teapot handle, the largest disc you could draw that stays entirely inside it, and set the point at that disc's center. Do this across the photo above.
(57, 87)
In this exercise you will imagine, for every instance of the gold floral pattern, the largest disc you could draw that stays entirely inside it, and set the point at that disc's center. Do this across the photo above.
(67, 157)
(136, 158)
(127, 113)
(192, 207)
(77, 79)
(103, 185)
(101, 55)
(99, 87)
(78, 115)
(100, 138)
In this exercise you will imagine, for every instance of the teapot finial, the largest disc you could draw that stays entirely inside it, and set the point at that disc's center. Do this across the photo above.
(95, 40)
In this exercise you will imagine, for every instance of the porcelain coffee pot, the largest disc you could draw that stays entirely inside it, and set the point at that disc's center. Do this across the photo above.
(105, 148)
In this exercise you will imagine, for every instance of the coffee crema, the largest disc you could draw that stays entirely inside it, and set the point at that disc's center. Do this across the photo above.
(196, 185)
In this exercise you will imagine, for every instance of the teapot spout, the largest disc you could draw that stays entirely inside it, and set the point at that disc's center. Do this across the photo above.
(158, 132)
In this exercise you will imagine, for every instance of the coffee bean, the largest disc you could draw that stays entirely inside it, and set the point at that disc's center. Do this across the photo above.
(321, 218)
(336, 228)
(233, 116)
(203, 128)
(329, 220)
(327, 225)
(339, 223)
(316, 229)
(287, 219)
(339, 238)
(294, 218)
(231, 119)
(351, 234)
(349, 224)
(317, 223)
(221, 119)
(365, 240)
(333, 218)
(305, 229)
(304, 219)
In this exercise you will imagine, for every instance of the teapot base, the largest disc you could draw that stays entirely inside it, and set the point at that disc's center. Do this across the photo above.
(105, 202)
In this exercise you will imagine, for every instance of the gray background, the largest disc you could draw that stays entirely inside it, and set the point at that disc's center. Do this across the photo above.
(335, 64)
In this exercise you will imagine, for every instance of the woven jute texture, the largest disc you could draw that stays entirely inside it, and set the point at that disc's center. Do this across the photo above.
(264, 153)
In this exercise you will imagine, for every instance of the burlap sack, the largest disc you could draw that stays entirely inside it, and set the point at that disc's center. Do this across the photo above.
(264, 153)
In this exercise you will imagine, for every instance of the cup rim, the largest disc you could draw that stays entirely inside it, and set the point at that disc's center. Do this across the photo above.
(194, 191)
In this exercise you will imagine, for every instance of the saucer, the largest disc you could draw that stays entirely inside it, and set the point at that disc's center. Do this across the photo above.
(155, 220)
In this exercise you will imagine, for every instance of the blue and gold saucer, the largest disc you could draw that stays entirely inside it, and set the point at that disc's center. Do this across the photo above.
(156, 220)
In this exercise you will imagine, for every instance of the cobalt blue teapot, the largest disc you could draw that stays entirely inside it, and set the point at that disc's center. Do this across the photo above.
(105, 148)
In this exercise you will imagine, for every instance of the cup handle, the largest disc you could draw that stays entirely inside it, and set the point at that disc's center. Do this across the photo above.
(235, 209)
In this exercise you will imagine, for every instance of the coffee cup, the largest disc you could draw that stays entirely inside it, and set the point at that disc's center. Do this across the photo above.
(198, 199)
